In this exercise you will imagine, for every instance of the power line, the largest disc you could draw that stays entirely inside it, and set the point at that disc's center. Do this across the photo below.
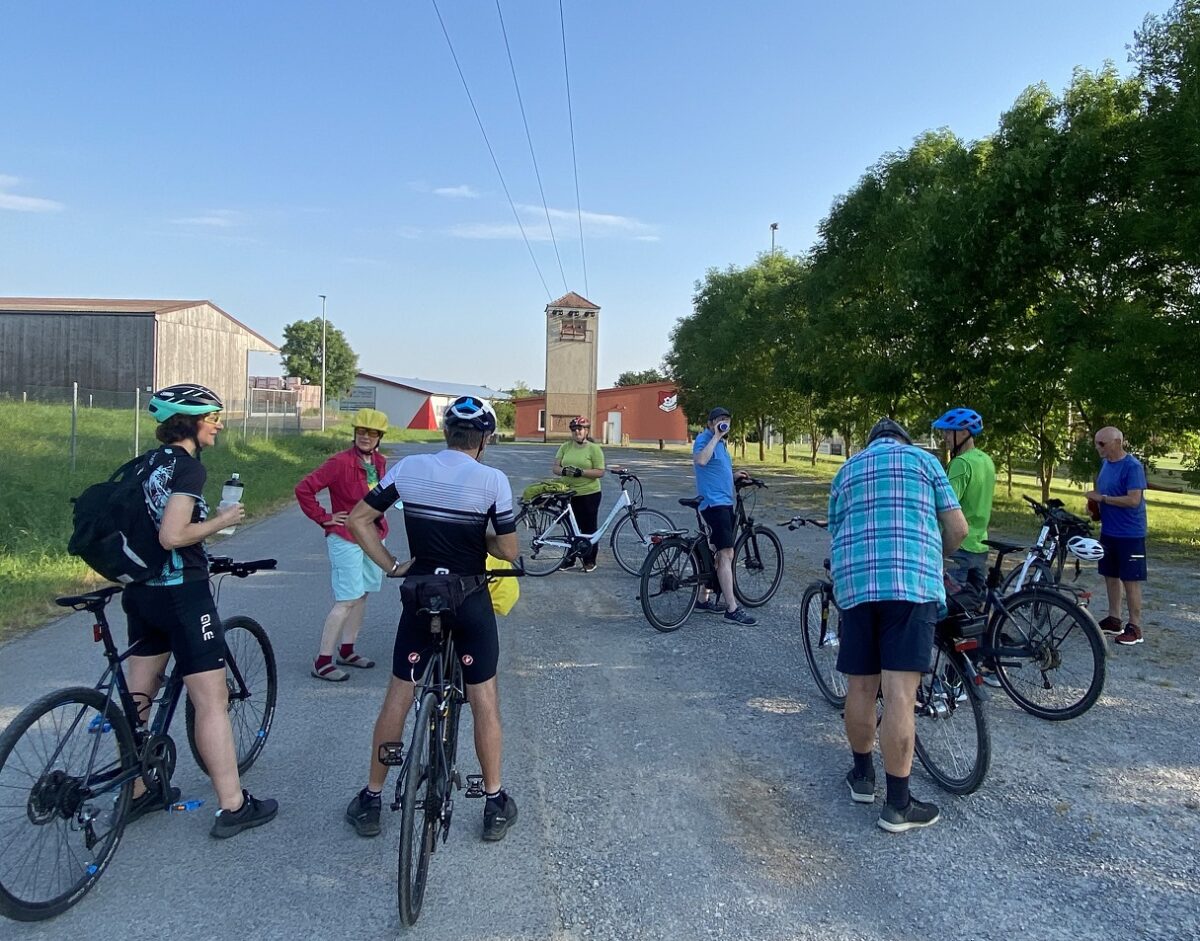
(495, 162)
(574, 164)
(529, 138)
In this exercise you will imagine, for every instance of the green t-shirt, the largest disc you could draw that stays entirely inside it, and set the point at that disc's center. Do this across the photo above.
(587, 456)
(973, 477)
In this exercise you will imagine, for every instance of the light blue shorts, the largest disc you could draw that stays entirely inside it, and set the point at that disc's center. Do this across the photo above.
(352, 572)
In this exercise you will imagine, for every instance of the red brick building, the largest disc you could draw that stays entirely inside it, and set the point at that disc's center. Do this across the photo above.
(645, 413)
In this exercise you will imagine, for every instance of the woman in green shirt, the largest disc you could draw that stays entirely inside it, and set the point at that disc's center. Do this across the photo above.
(582, 458)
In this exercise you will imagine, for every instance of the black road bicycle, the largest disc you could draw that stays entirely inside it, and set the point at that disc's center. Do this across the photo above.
(550, 536)
(429, 766)
(69, 760)
(681, 563)
(952, 743)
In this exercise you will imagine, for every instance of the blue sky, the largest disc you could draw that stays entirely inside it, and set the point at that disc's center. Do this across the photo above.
(259, 154)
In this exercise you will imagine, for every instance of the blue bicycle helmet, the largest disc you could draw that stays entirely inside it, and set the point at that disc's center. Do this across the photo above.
(960, 419)
(467, 411)
(186, 398)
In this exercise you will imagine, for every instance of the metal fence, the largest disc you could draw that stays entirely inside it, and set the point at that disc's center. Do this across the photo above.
(264, 413)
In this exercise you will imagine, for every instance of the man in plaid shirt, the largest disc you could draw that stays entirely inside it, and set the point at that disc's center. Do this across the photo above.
(893, 517)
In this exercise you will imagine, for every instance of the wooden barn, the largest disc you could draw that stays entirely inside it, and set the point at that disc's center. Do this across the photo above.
(114, 347)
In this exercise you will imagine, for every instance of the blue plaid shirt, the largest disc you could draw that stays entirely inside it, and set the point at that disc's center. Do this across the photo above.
(883, 516)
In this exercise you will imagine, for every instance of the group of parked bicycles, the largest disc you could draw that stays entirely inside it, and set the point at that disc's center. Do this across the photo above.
(1029, 628)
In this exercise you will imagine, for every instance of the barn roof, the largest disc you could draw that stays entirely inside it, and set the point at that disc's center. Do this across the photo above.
(113, 306)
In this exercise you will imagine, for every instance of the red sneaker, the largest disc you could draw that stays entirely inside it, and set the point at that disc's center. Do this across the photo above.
(1130, 636)
(1110, 625)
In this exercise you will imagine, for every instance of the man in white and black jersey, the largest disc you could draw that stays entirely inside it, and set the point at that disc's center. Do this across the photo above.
(456, 511)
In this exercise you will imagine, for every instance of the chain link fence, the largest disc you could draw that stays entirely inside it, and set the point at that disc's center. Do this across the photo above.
(260, 413)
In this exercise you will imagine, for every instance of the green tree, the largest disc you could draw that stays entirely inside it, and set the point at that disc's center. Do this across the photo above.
(633, 377)
(302, 355)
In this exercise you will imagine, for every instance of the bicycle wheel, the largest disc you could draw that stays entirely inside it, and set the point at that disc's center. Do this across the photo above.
(757, 566)
(1039, 573)
(544, 542)
(630, 540)
(250, 656)
(670, 584)
(821, 625)
(952, 738)
(1060, 672)
(420, 808)
(57, 835)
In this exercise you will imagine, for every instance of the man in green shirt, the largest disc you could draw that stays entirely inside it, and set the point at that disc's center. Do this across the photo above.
(581, 457)
(973, 477)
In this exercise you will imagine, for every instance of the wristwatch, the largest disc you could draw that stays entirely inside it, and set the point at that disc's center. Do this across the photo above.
(392, 570)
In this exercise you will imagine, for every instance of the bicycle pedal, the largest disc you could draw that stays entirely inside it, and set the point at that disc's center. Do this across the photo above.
(391, 754)
(474, 786)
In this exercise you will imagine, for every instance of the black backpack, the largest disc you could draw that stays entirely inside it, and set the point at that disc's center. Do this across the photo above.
(114, 532)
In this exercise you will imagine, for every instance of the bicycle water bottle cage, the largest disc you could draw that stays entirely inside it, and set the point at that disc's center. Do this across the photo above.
(474, 786)
(391, 754)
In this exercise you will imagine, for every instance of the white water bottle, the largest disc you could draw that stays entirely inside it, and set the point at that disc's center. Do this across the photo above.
(231, 494)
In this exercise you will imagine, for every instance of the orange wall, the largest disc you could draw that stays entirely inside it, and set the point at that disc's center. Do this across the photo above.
(641, 418)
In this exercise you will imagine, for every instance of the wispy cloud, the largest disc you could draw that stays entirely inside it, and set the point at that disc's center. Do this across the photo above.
(214, 218)
(15, 203)
(566, 226)
(463, 191)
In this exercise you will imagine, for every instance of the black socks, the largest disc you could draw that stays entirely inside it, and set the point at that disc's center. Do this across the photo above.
(864, 766)
(897, 791)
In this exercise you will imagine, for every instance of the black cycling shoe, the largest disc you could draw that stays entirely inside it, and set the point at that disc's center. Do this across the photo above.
(916, 814)
(150, 801)
(252, 813)
(363, 814)
(498, 816)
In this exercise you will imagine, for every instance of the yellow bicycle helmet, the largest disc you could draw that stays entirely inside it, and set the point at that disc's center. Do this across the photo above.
(371, 418)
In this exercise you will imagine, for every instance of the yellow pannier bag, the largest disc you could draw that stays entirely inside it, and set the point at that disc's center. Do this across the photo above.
(504, 591)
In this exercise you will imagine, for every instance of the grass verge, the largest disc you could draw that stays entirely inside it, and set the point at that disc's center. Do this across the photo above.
(36, 486)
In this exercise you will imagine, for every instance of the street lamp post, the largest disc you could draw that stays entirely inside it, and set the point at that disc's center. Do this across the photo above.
(774, 228)
(322, 297)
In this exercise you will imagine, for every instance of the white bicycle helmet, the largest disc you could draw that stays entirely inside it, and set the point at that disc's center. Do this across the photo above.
(467, 411)
(1082, 547)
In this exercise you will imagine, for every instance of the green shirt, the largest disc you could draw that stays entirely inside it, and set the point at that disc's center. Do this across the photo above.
(973, 477)
(586, 456)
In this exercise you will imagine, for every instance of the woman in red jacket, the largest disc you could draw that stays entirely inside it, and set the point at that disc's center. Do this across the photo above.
(347, 476)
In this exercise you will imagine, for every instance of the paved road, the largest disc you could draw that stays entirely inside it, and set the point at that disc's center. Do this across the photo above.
(678, 786)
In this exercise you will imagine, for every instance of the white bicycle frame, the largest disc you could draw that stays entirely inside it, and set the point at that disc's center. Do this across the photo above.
(1042, 550)
(623, 502)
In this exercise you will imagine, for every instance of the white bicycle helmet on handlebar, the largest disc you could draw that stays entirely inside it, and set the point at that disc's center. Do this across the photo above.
(1085, 548)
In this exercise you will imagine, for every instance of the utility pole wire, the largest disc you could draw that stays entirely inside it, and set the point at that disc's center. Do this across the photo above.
(491, 152)
(528, 137)
(574, 163)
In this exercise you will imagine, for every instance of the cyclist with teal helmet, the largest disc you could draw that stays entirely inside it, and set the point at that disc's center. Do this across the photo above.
(174, 612)
(973, 478)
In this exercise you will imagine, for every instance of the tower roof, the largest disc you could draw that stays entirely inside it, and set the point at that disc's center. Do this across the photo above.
(574, 301)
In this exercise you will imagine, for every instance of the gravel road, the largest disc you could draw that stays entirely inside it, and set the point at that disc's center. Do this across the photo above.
(677, 786)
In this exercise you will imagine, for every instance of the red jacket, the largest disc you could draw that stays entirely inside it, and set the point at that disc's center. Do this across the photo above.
(344, 476)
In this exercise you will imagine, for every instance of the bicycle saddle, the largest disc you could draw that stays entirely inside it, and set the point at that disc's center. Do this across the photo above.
(1002, 547)
(692, 502)
(93, 599)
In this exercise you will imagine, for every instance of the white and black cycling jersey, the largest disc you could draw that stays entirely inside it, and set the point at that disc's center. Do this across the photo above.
(449, 498)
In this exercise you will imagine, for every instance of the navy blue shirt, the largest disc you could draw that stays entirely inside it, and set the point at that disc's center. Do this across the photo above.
(714, 480)
(1116, 479)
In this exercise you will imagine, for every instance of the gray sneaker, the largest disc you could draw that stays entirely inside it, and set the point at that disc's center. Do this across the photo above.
(740, 616)
(917, 814)
(862, 790)
(252, 813)
(498, 816)
(711, 606)
(363, 814)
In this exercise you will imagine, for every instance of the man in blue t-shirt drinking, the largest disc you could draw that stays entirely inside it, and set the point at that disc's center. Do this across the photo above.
(714, 481)
(1120, 487)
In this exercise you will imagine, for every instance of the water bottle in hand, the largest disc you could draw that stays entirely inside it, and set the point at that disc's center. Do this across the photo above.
(231, 494)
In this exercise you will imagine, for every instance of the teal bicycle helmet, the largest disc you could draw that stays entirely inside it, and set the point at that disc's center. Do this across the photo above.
(186, 398)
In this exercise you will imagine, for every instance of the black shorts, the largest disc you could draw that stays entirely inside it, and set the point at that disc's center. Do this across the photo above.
(476, 641)
(887, 635)
(179, 619)
(720, 525)
(1124, 558)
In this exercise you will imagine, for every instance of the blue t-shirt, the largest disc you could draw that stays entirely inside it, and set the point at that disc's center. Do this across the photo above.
(714, 480)
(1116, 479)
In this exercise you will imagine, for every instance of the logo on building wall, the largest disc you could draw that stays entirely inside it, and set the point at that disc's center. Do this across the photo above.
(668, 401)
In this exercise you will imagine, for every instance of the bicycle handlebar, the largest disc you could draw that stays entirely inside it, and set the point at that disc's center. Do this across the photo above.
(224, 565)
(797, 521)
(750, 482)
